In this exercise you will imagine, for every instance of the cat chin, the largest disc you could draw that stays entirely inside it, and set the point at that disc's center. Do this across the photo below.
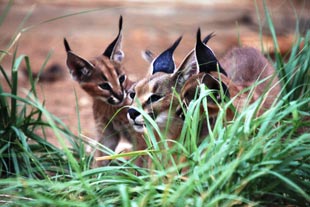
(139, 128)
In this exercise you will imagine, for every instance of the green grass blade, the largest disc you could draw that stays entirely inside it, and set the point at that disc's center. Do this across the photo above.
(6, 77)
(5, 11)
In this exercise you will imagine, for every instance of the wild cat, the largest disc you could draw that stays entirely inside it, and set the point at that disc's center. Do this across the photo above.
(156, 93)
(104, 79)
(243, 74)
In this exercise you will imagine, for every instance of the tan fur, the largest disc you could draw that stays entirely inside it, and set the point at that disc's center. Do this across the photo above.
(109, 132)
(245, 68)
(156, 93)
(161, 84)
(165, 86)
(104, 79)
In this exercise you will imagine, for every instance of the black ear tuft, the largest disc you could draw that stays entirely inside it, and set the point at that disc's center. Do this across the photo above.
(207, 38)
(120, 23)
(206, 59)
(109, 51)
(164, 62)
(67, 45)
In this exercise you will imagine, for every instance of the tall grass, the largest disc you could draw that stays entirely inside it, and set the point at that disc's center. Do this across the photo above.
(249, 161)
(24, 148)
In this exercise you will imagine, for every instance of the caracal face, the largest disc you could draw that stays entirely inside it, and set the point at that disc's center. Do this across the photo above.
(155, 94)
(103, 77)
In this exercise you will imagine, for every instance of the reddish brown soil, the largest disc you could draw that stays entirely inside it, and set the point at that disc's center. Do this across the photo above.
(146, 25)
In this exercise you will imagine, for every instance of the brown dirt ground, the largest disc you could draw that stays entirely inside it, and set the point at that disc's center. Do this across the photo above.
(154, 25)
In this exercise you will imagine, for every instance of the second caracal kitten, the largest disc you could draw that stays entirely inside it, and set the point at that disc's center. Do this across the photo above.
(104, 79)
(155, 93)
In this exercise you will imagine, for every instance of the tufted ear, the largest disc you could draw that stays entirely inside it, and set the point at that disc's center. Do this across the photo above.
(80, 69)
(205, 57)
(114, 50)
(67, 47)
(165, 62)
(207, 38)
(188, 67)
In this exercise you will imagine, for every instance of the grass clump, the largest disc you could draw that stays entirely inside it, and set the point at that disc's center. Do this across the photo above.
(24, 149)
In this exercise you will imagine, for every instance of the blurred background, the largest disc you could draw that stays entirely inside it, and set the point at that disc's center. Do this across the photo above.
(90, 26)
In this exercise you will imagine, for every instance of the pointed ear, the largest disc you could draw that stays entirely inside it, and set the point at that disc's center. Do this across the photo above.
(114, 50)
(205, 57)
(165, 62)
(149, 56)
(207, 38)
(187, 68)
(79, 68)
(67, 47)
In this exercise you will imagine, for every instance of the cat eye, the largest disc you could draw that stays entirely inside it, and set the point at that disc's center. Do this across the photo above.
(153, 98)
(132, 95)
(122, 78)
(105, 86)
